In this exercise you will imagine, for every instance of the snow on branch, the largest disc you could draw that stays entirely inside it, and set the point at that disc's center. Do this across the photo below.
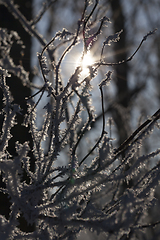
(60, 201)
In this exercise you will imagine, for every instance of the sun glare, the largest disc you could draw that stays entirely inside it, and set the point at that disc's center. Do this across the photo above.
(87, 61)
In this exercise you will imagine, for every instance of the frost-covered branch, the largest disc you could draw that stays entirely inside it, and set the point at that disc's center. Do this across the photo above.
(60, 201)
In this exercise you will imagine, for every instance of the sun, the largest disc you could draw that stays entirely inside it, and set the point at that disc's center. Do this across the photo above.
(84, 63)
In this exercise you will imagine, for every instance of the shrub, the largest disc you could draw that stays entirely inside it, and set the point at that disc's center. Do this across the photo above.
(61, 201)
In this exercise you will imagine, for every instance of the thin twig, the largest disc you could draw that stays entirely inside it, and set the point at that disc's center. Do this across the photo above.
(103, 130)
(45, 7)
(147, 225)
(130, 58)
(126, 143)
(64, 54)
(85, 21)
